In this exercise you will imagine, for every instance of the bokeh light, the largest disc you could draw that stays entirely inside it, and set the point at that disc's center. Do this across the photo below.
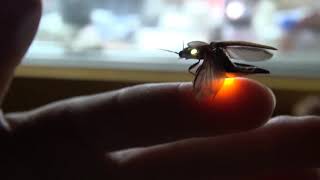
(235, 10)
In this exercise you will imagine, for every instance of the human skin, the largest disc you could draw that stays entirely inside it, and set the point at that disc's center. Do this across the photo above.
(152, 131)
(19, 22)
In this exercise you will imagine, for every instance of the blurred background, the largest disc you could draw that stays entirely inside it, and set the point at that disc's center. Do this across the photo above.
(84, 47)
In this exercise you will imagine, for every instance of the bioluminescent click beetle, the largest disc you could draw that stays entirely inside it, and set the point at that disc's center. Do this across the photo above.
(216, 65)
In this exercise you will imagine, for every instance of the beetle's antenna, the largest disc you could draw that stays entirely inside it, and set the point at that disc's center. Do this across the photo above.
(169, 51)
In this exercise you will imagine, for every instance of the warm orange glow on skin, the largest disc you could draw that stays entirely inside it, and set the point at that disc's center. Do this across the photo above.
(239, 103)
(232, 95)
(228, 82)
(228, 90)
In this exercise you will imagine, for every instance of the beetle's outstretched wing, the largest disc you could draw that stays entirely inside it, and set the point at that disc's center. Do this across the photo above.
(247, 53)
(243, 43)
(195, 44)
(209, 79)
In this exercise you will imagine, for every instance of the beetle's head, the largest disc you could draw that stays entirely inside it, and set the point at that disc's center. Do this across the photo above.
(190, 53)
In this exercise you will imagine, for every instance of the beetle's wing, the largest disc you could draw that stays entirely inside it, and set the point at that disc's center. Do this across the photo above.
(243, 43)
(209, 79)
(247, 53)
(195, 44)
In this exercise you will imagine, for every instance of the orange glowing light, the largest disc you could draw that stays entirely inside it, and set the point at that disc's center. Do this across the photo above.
(228, 90)
(231, 75)
(228, 82)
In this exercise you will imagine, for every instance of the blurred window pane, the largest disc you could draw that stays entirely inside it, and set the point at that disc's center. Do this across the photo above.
(128, 33)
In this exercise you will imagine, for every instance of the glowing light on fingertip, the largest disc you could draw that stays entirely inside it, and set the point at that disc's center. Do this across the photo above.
(228, 82)
(235, 10)
(228, 89)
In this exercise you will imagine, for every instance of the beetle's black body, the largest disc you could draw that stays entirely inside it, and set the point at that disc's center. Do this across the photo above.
(216, 64)
(216, 52)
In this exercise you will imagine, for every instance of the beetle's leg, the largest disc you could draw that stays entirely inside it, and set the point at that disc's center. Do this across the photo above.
(193, 66)
(197, 75)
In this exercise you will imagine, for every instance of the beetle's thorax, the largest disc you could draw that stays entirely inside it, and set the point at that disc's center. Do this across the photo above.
(213, 44)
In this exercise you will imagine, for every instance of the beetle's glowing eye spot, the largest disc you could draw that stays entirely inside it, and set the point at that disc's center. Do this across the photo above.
(194, 52)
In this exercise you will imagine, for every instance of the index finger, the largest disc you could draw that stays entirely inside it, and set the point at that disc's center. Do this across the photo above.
(155, 113)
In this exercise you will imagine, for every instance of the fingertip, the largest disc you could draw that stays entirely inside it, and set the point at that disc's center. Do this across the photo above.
(243, 105)
(246, 103)
(240, 104)
(242, 93)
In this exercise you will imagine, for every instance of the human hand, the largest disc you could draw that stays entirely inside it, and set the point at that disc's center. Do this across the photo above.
(19, 21)
(160, 131)
(96, 137)
(90, 132)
